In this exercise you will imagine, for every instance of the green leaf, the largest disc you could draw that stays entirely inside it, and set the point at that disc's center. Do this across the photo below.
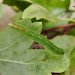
(71, 69)
(72, 61)
(37, 12)
(72, 56)
(66, 42)
(55, 7)
(31, 62)
(43, 13)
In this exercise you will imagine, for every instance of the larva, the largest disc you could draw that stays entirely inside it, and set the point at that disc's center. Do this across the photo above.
(38, 38)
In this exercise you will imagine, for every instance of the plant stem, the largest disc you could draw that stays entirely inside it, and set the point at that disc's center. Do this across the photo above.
(56, 30)
(58, 27)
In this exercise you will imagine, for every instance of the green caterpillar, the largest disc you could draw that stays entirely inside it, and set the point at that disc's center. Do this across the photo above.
(38, 38)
